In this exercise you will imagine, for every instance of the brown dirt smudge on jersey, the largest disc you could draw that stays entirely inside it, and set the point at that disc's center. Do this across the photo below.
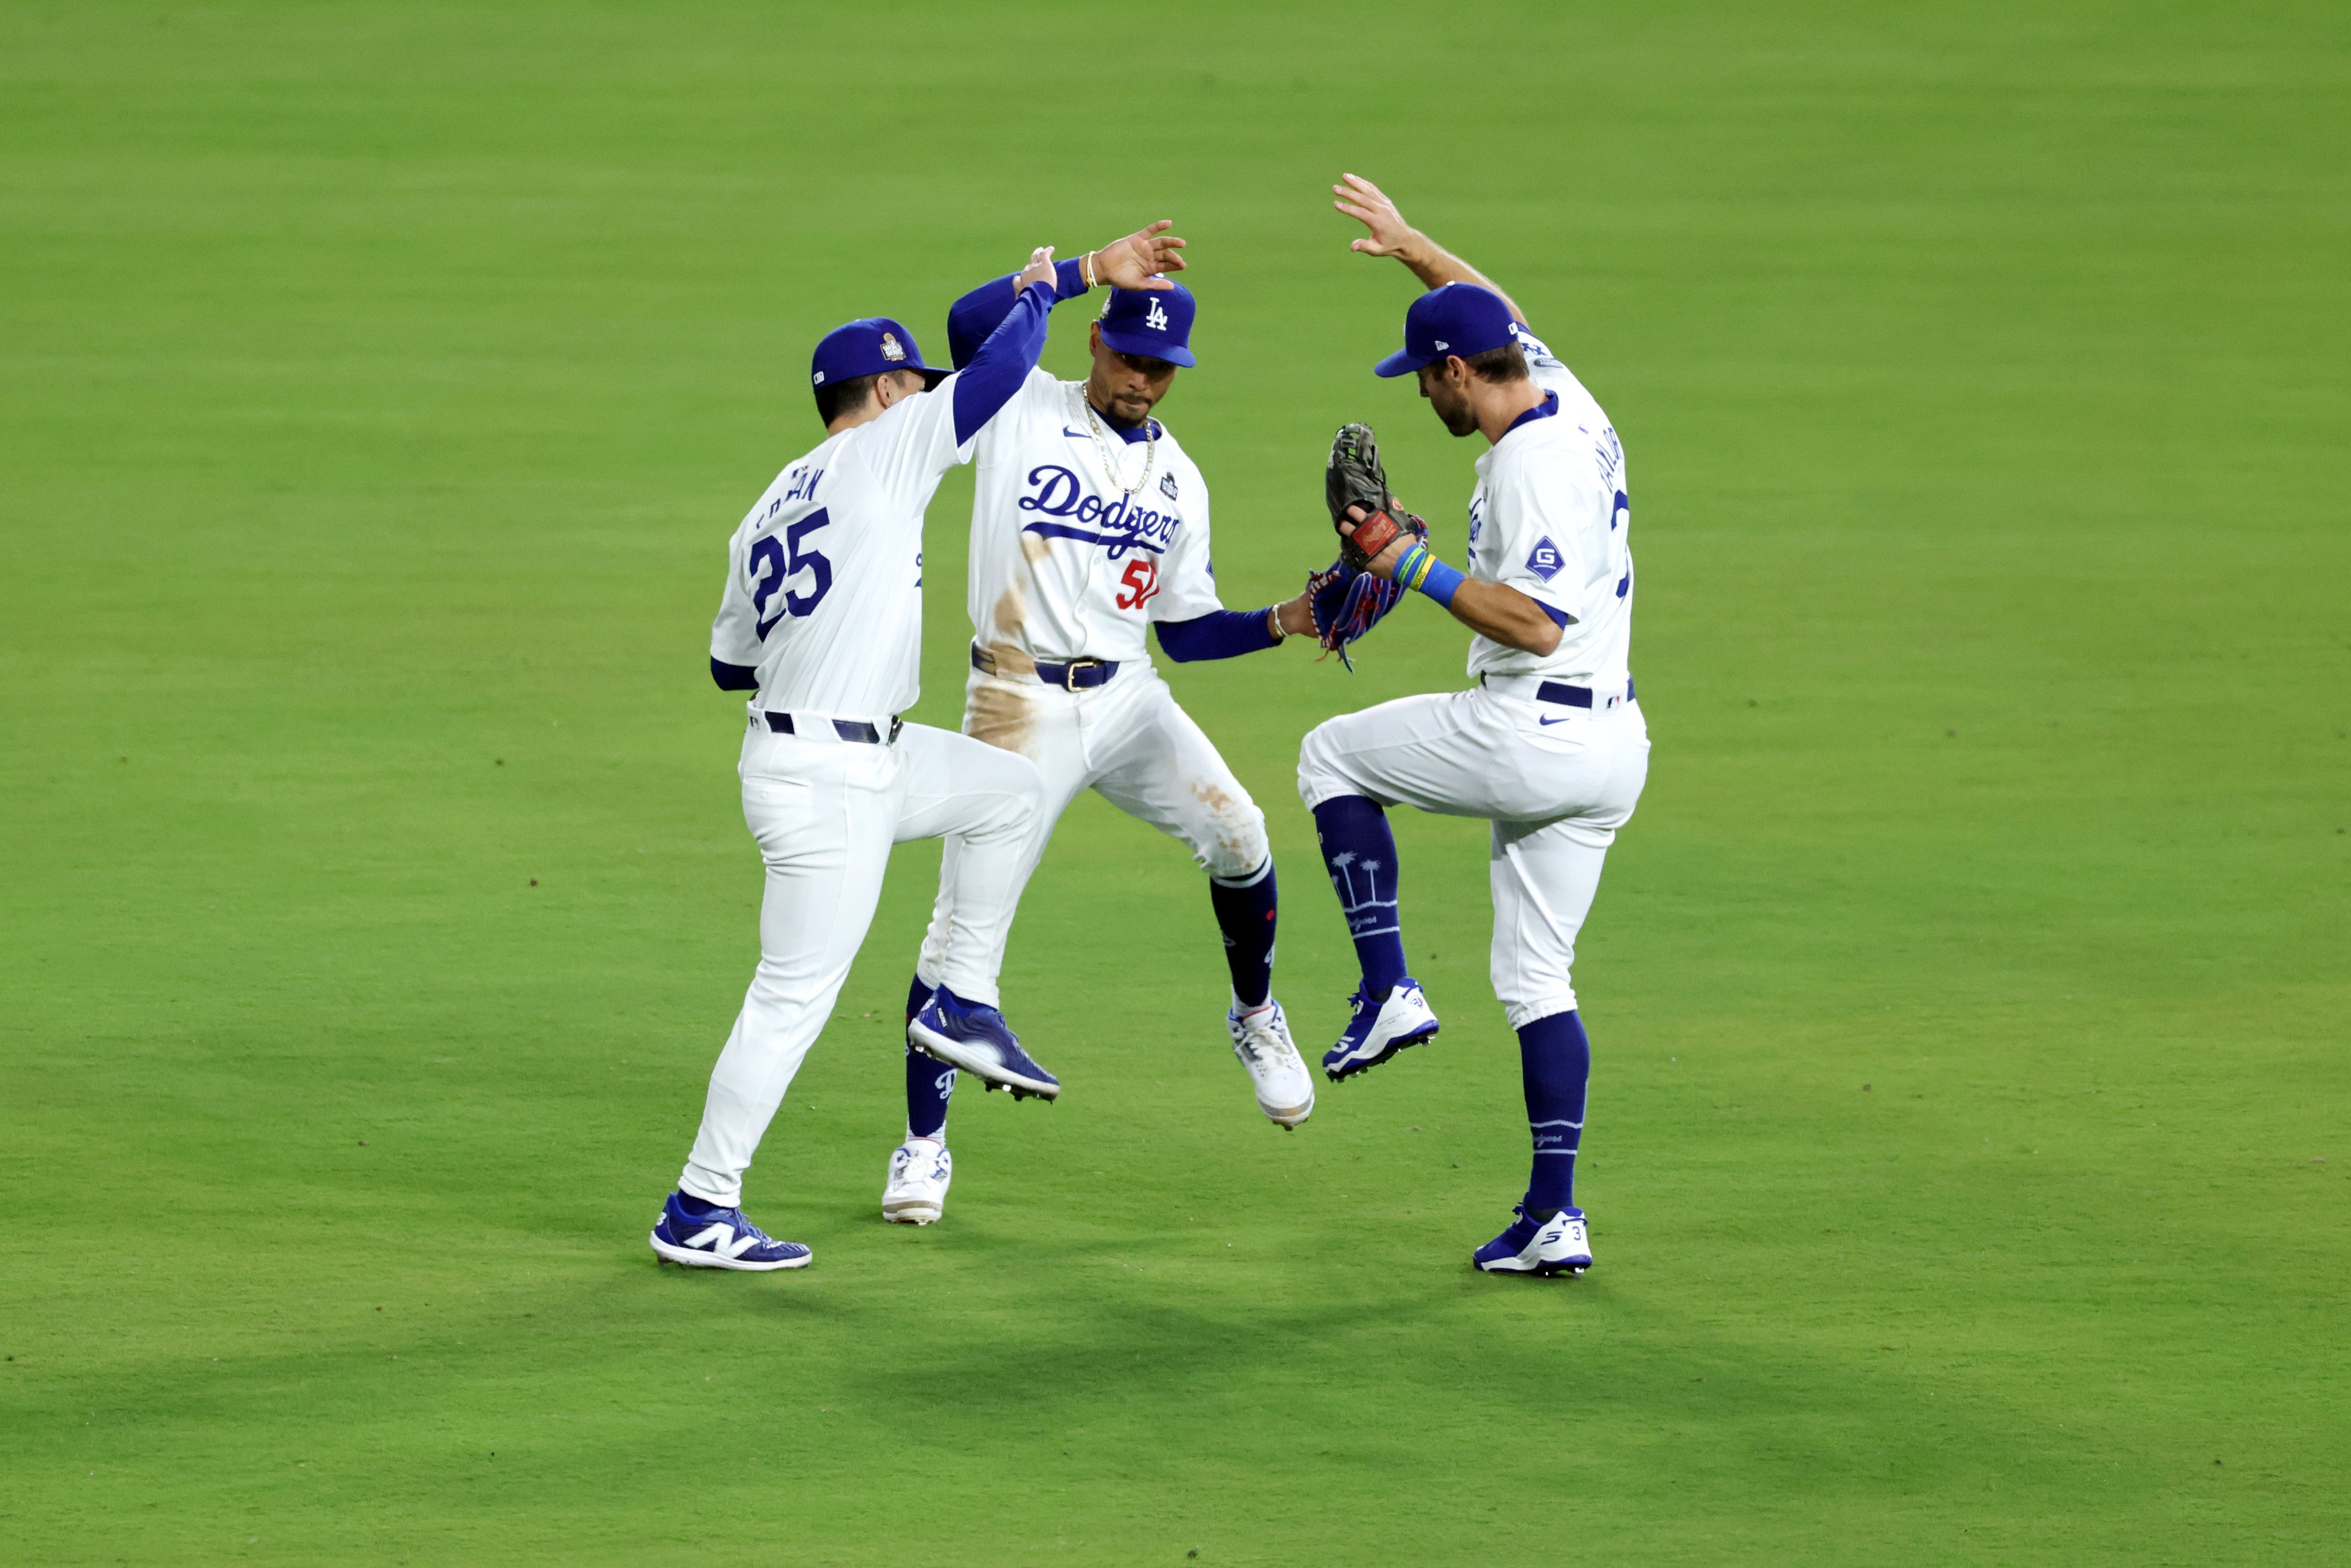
(999, 711)
(1003, 659)
(1034, 548)
(1211, 795)
(1239, 827)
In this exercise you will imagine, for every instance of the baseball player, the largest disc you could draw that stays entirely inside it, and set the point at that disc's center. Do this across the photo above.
(1091, 523)
(1549, 746)
(821, 620)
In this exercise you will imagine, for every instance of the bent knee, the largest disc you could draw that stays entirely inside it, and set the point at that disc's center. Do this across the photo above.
(1227, 835)
(1323, 771)
(1238, 847)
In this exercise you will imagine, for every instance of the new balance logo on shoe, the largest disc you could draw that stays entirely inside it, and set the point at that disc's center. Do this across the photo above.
(717, 1239)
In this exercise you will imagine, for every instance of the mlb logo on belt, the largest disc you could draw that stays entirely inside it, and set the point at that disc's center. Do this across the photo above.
(1156, 318)
(1546, 560)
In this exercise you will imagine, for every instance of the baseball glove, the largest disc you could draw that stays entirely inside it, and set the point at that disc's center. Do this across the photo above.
(1354, 477)
(1348, 603)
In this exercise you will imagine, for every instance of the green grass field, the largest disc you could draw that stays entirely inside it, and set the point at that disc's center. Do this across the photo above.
(1968, 1160)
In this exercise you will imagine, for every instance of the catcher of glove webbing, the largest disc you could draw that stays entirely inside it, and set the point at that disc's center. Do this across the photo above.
(1348, 601)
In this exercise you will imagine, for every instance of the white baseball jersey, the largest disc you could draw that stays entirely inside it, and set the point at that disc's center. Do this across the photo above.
(1551, 517)
(1063, 565)
(824, 578)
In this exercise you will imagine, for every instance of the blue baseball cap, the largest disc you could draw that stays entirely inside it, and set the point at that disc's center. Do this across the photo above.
(867, 346)
(1458, 318)
(1153, 322)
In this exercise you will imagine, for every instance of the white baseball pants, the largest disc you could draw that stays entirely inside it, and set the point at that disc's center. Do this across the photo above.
(1556, 782)
(1127, 739)
(825, 812)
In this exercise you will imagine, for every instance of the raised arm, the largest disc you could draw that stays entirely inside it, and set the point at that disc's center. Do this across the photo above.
(1133, 262)
(1004, 361)
(1430, 262)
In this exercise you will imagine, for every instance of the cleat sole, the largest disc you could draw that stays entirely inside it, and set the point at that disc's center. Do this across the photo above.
(688, 1257)
(1346, 1069)
(984, 1068)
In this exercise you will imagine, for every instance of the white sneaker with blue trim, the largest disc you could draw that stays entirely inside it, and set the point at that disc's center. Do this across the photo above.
(1285, 1091)
(916, 1192)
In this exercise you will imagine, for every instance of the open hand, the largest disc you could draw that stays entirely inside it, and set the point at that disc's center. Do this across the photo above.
(1359, 198)
(1038, 270)
(1132, 262)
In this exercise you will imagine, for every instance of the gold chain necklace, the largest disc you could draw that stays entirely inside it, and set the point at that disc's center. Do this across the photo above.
(1101, 449)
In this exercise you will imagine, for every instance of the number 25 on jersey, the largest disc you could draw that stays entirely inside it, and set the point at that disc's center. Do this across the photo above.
(1140, 583)
(771, 568)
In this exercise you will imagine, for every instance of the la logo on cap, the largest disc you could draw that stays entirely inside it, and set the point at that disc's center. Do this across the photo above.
(1156, 318)
(890, 347)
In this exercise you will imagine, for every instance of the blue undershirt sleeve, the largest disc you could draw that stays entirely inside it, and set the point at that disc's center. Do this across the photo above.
(1218, 635)
(971, 317)
(1558, 618)
(1002, 363)
(735, 677)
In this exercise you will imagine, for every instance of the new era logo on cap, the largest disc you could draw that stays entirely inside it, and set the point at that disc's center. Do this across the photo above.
(1545, 560)
(1455, 318)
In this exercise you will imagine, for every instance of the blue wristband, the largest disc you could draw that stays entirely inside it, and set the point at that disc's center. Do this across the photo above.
(1440, 582)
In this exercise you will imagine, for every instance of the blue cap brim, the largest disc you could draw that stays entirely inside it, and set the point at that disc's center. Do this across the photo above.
(1150, 347)
(1403, 362)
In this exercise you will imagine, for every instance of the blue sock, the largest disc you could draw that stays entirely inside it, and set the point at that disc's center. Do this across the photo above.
(1362, 855)
(696, 1207)
(1245, 913)
(929, 1083)
(1555, 1065)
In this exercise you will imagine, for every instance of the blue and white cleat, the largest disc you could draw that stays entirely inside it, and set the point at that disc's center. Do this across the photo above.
(721, 1239)
(1555, 1246)
(1380, 1029)
(978, 1039)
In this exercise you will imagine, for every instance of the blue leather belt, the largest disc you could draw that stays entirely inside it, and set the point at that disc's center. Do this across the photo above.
(1077, 676)
(1573, 696)
(855, 729)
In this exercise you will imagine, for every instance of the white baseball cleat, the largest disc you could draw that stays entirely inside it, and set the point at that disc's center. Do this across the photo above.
(1284, 1091)
(916, 1192)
